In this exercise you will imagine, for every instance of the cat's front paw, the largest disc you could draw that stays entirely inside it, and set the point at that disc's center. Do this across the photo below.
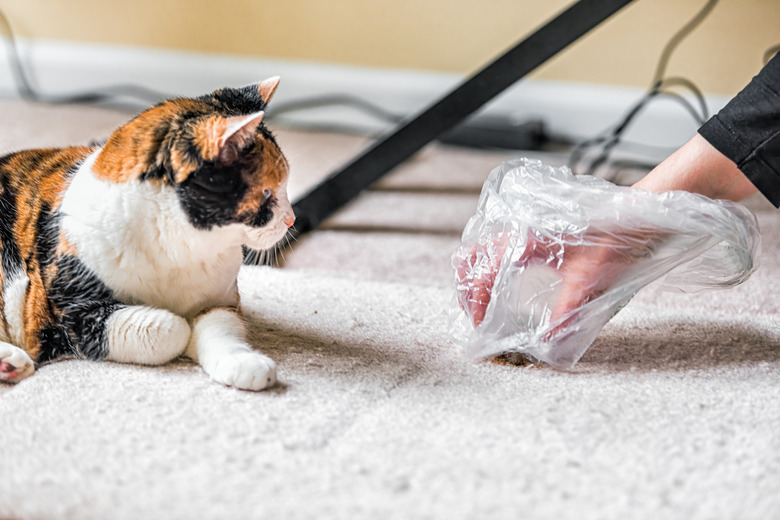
(247, 370)
(15, 364)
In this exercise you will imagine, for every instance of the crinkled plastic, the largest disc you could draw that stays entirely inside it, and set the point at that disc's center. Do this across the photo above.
(550, 257)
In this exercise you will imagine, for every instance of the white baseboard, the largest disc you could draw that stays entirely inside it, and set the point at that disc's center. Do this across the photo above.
(568, 109)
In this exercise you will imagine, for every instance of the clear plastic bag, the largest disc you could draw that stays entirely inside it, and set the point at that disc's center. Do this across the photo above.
(549, 257)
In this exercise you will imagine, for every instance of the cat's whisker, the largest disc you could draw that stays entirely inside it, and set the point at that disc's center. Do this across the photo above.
(252, 255)
(263, 257)
(285, 243)
(292, 236)
(266, 257)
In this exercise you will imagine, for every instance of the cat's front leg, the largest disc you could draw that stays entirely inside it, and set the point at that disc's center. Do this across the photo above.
(15, 364)
(218, 343)
(145, 335)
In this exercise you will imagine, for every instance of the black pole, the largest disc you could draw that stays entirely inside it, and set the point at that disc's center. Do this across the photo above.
(345, 184)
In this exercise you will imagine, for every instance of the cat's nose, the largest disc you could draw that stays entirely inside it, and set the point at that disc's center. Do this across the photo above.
(289, 220)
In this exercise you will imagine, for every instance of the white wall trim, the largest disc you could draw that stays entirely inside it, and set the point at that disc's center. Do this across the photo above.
(571, 109)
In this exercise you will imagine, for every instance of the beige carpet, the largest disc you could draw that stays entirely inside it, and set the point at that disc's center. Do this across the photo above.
(673, 413)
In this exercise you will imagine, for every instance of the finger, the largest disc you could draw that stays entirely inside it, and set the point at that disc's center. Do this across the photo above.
(480, 299)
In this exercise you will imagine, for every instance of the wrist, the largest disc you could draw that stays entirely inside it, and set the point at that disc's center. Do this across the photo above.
(698, 167)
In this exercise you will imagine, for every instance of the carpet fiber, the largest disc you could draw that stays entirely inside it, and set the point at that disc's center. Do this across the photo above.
(673, 413)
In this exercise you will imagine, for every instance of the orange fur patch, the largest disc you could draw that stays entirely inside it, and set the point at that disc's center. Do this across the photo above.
(51, 188)
(64, 246)
(208, 136)
(273, 174)
(38, 179)
(132, 149)
(36, 313)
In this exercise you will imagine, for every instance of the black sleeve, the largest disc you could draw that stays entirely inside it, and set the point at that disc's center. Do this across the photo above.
(747, 131)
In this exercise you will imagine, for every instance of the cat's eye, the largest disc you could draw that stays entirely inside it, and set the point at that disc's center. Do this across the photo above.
(267, 194)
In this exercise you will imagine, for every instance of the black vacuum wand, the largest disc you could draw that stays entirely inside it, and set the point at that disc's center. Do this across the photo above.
(410, 136)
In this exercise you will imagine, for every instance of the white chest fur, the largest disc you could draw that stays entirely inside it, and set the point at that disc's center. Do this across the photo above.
(136, 237)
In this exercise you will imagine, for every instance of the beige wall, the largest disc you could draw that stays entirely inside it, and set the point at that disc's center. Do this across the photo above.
(447, 35)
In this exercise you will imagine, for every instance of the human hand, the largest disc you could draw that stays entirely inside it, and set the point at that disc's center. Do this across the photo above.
(595, 264)
(588, 266)
(476, 266)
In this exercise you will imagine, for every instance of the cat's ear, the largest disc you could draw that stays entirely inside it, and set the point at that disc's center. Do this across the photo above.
(268, 87)
(242, 128)
(238, 134)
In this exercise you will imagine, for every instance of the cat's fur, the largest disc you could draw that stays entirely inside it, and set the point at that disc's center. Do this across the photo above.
(130, 251)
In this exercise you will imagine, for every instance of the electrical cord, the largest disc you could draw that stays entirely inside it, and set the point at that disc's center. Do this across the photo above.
(26, 90)
(117, 97)
(660, 86)
(144, 96)
(678, 37)
(148, 96)
(334, 100)
(611, 140)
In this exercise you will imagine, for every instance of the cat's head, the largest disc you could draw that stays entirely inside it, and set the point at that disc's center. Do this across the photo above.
(216, 154)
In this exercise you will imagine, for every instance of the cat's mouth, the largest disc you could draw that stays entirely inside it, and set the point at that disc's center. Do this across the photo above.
(266, 237)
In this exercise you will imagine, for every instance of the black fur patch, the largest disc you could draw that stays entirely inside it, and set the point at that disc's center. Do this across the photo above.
(210, 195)
(55, 343)
(47, 230)
(239, 102)
(265, 214)
(236, 101)
(156, 172)
(85, 304)
(158, 155)
(11, 256)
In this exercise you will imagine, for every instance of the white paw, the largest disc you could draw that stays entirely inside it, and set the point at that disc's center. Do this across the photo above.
(245, 369)
(146, 335)
(15, 364)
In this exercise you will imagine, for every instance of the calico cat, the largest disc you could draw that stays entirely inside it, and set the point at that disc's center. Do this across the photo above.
(130, 251)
